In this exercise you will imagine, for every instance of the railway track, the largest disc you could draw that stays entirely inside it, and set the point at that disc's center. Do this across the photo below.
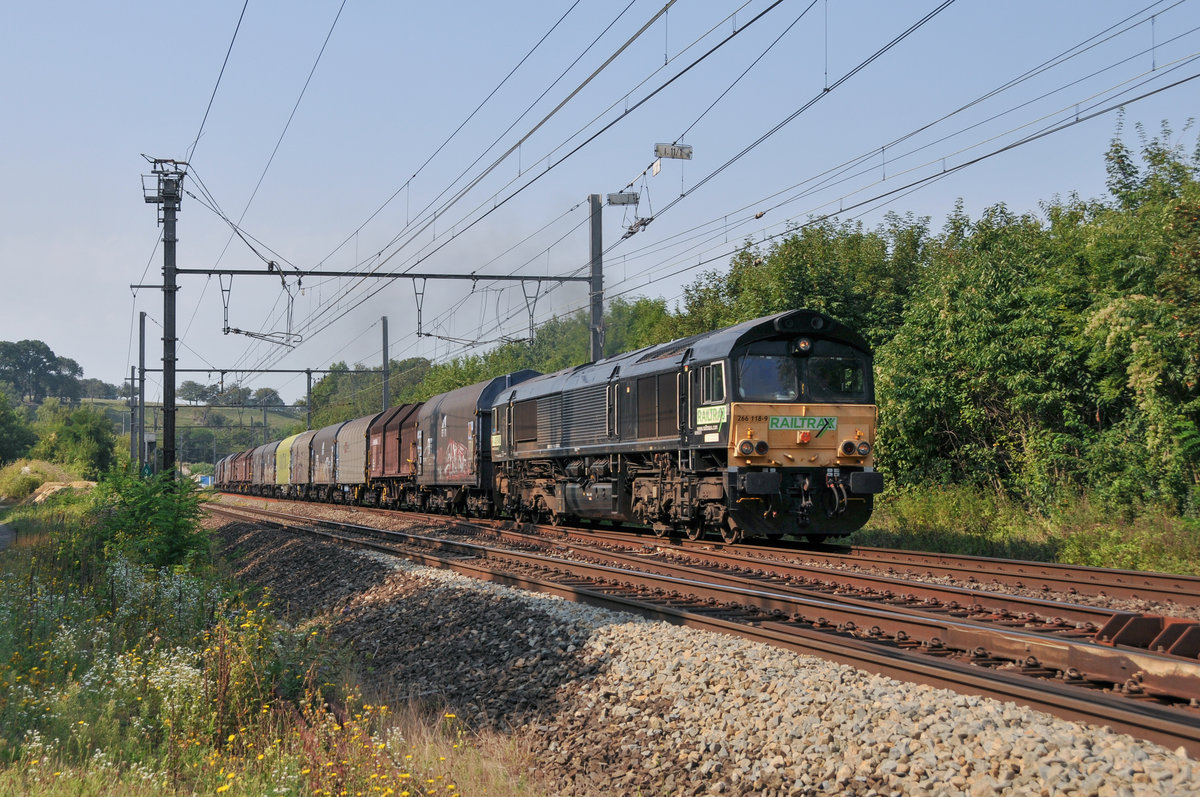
(974, 571)
(1055, 667)
(970, 572)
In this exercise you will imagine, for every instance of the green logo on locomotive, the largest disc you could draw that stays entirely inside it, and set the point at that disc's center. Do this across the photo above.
(804, 423)
(706, 416)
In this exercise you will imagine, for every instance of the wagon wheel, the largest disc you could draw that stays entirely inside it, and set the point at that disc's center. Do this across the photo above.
(731, 535)
(694, 530)
(660, 529)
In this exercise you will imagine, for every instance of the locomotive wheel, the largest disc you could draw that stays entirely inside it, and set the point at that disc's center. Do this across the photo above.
(694, 531)
(731, 535)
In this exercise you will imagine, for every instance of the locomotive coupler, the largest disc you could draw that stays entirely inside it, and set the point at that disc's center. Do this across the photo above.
(804, 505)
(837, 498)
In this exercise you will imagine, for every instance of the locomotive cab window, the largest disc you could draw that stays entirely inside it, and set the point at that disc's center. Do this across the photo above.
(712, 384)
(767, 377)
(835, 378)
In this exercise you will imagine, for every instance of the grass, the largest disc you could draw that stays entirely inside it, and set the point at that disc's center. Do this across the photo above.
(116, 678)
(19, 479)
(1079, 531)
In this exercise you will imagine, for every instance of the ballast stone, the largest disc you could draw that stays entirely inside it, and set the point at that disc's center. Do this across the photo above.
(600, 693)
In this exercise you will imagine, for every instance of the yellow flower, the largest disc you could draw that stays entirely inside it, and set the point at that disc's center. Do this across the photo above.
(223, 788)
(232, 736)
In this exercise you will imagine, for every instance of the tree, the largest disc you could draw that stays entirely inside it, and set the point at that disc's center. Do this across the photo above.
(63, 381)
(98, 389)
(196, 392)
(27, 364)
(266, 397)
(235, 396)
(36, 371)
(81, 438)
(15, 435)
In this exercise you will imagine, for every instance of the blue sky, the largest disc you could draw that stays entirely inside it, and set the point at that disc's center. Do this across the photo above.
(88, 88)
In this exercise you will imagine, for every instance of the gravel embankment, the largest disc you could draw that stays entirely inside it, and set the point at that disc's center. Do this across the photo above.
(616, 705)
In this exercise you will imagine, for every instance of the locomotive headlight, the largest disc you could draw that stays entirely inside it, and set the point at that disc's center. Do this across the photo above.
(864, 448)
(746, 448)
(761, 447)
(848, 448)
(801, 346)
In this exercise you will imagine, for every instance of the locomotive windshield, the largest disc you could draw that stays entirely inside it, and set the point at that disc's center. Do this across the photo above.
(767, 378)
(835, 379)
(832, 373)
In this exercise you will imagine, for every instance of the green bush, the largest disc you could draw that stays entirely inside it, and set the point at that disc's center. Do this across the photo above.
(152, 521)
(81, 438)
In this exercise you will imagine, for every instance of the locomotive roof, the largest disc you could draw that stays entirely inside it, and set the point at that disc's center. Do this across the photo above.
(697, 349)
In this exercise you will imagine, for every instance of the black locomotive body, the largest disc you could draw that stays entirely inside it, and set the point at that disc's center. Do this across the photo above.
(763, 429)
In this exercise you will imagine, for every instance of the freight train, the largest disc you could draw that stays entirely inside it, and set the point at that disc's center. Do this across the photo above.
(764, 430)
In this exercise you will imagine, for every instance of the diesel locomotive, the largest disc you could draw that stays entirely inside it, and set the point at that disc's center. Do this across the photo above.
(765, 429)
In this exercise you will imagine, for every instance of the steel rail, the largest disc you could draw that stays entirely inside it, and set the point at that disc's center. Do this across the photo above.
(1072, 579)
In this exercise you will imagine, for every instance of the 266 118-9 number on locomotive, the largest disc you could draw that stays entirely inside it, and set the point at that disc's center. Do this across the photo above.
(765, 429)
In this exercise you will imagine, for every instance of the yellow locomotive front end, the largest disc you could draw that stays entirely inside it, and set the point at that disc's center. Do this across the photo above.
(802, 435)
(802, 469)
(800, 450)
